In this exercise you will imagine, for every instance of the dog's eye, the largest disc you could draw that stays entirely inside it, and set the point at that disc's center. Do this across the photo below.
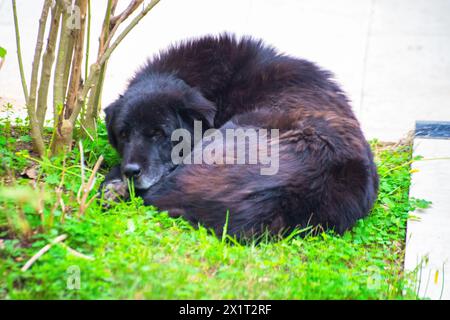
(123, 134)
(157, 133)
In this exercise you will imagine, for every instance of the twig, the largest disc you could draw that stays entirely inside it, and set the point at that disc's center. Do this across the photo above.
(126, 13)
(91, 180)
(110, 8)
(88, 40)
(90, 107)
(75, 76)
(37, 57)
(36, 133)
(93, 70)
(63, 207)
(47, 64)
(19, 51)
(82, 161)
(76, 253)
(59, 201)
(86, 131)
(69, 56)
(62, 60)
(127, 30)
(84, 203)
(117, 20)
(80, 145)
(40, 206)
(41, 252)
(96, 67)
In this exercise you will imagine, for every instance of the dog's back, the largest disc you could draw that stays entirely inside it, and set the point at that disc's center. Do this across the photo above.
(239, 75)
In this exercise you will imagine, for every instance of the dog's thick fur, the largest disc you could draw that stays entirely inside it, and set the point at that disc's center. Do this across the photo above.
(326, 171)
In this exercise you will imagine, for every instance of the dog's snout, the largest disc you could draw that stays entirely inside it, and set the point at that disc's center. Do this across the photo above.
(132, 170)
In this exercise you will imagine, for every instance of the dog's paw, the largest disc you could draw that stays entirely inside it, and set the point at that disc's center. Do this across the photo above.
(115, 190)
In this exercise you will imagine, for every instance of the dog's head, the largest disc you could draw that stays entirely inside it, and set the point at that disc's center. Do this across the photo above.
(140, 124)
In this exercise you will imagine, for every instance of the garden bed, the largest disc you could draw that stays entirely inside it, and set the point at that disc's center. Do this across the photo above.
(133, 251)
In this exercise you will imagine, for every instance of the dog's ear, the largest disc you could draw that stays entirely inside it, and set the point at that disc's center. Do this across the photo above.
(197, 107)
(110, 115)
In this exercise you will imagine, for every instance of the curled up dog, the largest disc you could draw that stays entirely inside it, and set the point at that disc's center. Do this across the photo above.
(220, 124)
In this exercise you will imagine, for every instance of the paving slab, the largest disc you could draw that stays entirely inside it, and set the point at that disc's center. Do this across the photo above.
(428, 233)
(407, 71)
(407, 78)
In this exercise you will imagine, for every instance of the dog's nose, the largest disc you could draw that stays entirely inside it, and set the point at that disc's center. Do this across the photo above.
(132, 170)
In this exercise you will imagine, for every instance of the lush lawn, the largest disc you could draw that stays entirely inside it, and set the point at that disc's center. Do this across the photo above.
(139, 252)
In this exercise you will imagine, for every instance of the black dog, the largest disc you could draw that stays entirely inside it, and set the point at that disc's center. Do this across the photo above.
(326, 175)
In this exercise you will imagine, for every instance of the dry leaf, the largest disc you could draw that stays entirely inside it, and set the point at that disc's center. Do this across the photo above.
(30, 173)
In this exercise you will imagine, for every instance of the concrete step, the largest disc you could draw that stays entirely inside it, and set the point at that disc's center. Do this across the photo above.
(428, 232)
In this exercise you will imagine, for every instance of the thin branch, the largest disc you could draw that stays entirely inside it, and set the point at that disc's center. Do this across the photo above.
(87, 187)
(80, 145)
(127, 30)
(88, 40)
(47, 65)
(61, 62)
(95, 68)
(95, 94)
(76, 253)
(68, 59)
(37, 56)
(36, 133)
(41, 252)
(75, 77)
(117, 20)
(82, 162)
(19, 51)
(93, 71)
(62, 130)
(111, 7)
(94, 104)
(126, 13)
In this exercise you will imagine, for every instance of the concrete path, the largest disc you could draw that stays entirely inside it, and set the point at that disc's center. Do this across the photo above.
(428, 235)
(391, 56)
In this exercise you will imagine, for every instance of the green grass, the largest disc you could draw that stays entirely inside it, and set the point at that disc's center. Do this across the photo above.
(142, 253)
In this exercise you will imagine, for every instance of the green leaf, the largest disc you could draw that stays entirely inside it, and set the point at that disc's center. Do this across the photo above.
(52, 178)
(2, 52)
(25, 138)
(420, 203)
